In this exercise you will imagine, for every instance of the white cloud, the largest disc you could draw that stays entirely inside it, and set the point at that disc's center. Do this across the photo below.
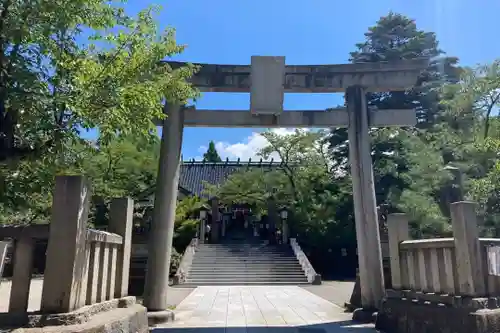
(247, 148)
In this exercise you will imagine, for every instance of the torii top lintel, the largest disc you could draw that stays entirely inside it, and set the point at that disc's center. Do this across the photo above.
(375, 77)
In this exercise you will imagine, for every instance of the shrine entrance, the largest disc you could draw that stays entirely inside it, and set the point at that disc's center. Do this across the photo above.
(267, 79)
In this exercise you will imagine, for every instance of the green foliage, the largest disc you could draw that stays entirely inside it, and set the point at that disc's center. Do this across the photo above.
(186, 221)
(211, 155)
(52, 86)
(405, 170)
(303, 183)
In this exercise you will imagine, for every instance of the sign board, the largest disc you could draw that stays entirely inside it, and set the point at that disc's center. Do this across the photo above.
(493, 254)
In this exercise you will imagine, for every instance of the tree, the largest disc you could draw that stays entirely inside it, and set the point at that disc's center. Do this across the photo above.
(52, 85)
(211, 155)
(396, 37)
(303, 183)
(126, 166)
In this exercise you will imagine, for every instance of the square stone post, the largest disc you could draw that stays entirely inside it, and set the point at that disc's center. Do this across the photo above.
(162, 228)
(203, 224)
(121, 223)
(398, 231)
(371, 270)
(272, 215)
(214, 234)
(285, 231)
(21, 279)
(225, 221)
(63, 290)
(471, 279)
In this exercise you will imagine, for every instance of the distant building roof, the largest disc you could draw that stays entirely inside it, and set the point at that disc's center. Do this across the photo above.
(193, 174)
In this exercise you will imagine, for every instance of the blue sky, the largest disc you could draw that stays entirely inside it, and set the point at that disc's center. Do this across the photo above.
(307, 32)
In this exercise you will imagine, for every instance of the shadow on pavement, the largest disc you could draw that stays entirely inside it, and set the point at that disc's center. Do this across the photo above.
(334, 327)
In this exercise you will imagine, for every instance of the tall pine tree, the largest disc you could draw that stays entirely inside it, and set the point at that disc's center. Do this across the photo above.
(211, 155)
(396, 37)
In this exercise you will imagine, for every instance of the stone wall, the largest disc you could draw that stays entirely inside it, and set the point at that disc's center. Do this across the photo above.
(414, 316)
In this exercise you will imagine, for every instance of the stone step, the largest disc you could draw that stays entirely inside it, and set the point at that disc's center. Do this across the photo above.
(205, 250)
(244, 260)
(252, 269)
(248, 253)
(254, 250)
(244, 256)
(248, 262)
(250, 276)
(243, 281)
(238, 283)
(243, 266)
(245, 247)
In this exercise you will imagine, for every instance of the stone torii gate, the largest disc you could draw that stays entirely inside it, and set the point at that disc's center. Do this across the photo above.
(267, 79)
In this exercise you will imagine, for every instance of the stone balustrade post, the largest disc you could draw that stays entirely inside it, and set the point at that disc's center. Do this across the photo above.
(21, 279)
(215, 228)
(64, 283)
(398, 230)
(471, 281)
(121, 223)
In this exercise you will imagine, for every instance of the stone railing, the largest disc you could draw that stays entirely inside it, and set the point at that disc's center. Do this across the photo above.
(186, 261)
(453, 266)
(86, 272)
(436, 281)
(312, 276)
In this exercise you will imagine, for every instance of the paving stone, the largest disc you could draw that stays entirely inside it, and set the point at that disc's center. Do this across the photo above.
(259, 309)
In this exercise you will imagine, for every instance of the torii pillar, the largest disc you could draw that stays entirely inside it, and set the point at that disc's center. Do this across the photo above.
(371, 270)
(162, 227)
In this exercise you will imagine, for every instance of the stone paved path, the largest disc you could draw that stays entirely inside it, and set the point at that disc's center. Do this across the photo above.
(259, 309)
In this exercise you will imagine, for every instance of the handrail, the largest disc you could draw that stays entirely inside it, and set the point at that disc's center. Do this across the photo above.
(186, 261)
(312, 276)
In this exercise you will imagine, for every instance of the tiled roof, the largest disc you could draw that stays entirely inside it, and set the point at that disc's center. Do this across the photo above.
(194, 174)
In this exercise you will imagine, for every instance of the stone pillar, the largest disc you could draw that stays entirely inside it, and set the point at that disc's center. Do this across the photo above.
(203, 223)
(272, 215)
(285, 231)
(121, 223)
(21, 279)
(162, 229)
(66, 251)
(365, 211)
(225, 219)
(214, 234)
(471, 279)
(398, 231)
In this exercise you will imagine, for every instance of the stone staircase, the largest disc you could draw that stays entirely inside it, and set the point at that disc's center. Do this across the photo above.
(240, 263)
